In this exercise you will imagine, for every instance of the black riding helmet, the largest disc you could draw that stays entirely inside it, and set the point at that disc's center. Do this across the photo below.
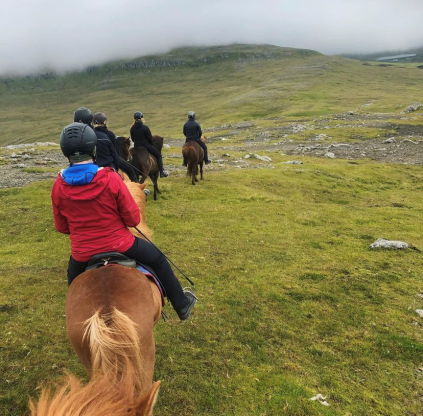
(99, 118)
(83, 115)
(78, 142)
(191, 114)
(138, 115)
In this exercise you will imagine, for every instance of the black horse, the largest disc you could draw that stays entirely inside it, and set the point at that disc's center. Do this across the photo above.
(144, 164)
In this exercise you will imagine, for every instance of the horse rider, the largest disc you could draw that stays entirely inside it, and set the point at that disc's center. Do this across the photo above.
(141, 136)
(106, 154)
(93, 205)
(192, 132)
(100, 124)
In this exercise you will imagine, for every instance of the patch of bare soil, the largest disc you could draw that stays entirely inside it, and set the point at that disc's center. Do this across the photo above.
(397, 143)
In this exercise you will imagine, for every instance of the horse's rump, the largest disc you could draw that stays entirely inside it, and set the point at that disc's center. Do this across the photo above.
(110, 316)
(193, 154)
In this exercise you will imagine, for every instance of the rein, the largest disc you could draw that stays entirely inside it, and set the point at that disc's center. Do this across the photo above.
(170, 261)
(133, 167)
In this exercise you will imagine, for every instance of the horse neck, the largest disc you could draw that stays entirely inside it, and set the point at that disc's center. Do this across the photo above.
(158, 142)
(137, 192)
(123, 149)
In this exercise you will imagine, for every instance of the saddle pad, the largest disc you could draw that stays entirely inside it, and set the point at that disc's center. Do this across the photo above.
(152, 277)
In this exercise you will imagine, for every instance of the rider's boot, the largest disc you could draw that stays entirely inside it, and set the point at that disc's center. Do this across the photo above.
(185, 312)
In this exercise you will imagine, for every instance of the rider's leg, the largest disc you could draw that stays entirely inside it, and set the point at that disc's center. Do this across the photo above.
(204, 147)
(152, 150)
(75, 268)
(144, 252)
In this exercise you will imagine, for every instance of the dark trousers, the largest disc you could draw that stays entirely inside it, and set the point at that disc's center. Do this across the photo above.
(153, 151)
(202, 145)
(128, 169)
(144, 252)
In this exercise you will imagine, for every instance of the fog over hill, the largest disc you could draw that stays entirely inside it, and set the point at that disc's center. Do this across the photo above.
(67, 36)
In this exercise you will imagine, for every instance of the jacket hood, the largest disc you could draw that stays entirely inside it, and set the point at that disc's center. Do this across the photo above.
(83, 184)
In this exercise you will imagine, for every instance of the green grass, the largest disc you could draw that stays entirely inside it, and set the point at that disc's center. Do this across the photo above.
(292, 302)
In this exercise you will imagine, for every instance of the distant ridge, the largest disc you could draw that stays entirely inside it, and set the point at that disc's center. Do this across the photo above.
(412, 55)
(190, 57)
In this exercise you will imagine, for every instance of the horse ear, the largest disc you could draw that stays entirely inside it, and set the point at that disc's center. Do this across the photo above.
(147, 403)
(143, 185)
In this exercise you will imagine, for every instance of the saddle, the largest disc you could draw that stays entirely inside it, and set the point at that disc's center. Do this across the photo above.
(114, 258)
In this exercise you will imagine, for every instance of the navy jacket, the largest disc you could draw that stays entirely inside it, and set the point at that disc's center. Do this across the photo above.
(106, 154)
(192, 130)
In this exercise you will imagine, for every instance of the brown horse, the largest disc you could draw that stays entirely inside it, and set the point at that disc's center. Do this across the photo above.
(110, 317)
(193, 156)
(145, 164)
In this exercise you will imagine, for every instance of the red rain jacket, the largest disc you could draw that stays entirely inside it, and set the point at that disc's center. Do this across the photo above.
(96, 215)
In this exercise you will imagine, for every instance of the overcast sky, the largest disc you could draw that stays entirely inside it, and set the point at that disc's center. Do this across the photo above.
(40, 35)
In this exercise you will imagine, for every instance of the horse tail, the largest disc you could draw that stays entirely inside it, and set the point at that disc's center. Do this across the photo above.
(192, 158)
(114, 346)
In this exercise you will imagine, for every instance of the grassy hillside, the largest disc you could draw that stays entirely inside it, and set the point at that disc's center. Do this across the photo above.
(292, 302)
(222, 84)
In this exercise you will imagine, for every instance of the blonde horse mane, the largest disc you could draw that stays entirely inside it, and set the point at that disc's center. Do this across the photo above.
(137, 192)
(99, 397)
(115, 386)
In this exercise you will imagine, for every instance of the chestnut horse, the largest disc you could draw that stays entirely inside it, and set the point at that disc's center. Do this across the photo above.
(110, 316)
(193, 156)
(143, 162)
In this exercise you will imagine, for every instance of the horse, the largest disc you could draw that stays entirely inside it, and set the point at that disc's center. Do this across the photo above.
(143, 162)
(110, 316)
(193, 156)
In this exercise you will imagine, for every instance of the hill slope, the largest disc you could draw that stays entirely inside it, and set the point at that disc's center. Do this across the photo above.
(222, 84)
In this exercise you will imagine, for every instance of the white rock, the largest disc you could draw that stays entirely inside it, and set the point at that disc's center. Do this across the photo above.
(263, 158)
(390, 140)
(321, 399)
(420, 312)
(382, 243)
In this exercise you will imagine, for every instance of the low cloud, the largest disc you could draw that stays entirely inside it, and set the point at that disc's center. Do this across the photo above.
(63, 36)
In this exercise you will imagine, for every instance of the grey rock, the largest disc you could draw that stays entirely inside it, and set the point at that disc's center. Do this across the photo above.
(383, 243)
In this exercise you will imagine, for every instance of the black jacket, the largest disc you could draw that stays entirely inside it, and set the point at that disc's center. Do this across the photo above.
(106, 154)
(110, 135)
(192, 130)
(141, 134)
